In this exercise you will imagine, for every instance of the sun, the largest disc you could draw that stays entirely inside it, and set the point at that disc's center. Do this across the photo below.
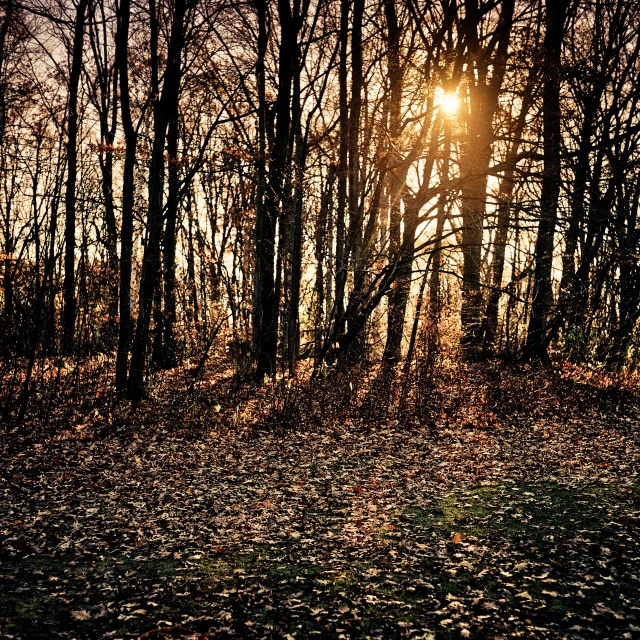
(450, 103)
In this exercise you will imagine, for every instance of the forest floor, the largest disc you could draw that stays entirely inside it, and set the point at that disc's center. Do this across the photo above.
(501, 502)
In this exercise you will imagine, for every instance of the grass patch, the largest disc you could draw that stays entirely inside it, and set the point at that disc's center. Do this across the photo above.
(514, 512)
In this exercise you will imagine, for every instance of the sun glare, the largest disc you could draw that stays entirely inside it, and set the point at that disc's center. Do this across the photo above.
(450, 103)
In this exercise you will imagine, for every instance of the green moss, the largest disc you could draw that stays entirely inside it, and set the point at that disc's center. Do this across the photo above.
(527, 512)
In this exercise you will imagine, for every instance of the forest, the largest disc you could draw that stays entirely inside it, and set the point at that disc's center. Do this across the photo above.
(319, 318)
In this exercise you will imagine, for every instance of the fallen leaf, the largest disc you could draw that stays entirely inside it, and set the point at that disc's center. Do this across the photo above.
(81, 615)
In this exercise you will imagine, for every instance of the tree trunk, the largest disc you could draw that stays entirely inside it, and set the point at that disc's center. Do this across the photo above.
(505, 199)
(164, 111)
(263, 259)
(69, 293)
(435, 294)
(395, 181)
(4, 30)
(399, 294)
(556, 11)
(475, 161)
(8, 310)
(193, 312)
(321, 245)
(354, 234)
(300, 159)
(128, 197)
(266, 302)
(402, 261)
(343, 156)
(168, 358)
(106, 104)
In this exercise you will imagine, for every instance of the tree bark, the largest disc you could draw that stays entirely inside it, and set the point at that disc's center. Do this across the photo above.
(395, 181)
(295, 278)
(266, 300)
(164, 111)
(343, 156)
(128, 197)
(69, 293)
(555, 16)
(4, 30)
(168, 357)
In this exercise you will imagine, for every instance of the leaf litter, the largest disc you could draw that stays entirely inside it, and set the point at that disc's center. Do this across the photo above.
(508, 513)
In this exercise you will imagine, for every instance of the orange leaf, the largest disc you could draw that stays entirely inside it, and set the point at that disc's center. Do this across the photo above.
(457, 538)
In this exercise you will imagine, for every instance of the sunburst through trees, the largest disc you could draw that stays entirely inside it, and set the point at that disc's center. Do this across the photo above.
(318, 179)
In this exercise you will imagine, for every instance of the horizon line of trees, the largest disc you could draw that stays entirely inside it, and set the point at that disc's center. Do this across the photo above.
(332, 180)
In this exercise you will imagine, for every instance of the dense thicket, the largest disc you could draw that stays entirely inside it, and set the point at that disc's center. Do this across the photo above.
(318, 181)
